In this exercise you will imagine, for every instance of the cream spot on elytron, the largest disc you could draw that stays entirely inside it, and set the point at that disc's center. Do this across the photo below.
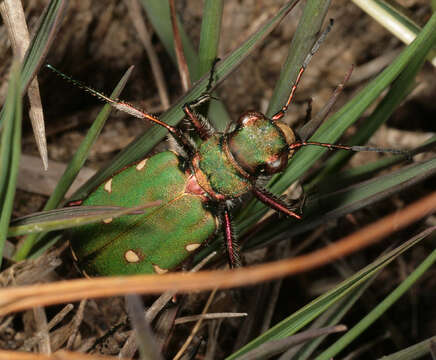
(108, 220)
(159, 270)
(141, 165)
(192, 247)
(131, 256)
(108, 186)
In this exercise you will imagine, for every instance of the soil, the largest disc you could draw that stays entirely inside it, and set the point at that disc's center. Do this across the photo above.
(97, 43)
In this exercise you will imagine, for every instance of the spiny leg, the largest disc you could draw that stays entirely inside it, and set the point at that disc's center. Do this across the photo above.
(131, 110)
(230, 241)
(201, 125)
(315, 47)
(274, 202)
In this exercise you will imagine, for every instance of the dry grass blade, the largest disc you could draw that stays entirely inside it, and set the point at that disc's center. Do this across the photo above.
(275, 347)
(13, 16)
(181, 60)
(129, 348)
(138, 22)
(59, 355)
(196, 327)
(20, 298)
(32, 179)
(209, 316)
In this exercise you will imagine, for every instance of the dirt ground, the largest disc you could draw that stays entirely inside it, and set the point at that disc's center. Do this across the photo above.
(98, 42)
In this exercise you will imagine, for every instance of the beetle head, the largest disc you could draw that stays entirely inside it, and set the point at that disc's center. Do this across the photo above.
(260, 145)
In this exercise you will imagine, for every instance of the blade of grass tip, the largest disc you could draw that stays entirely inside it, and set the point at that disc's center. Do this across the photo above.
(333, 127)
(306, 35)
(13, 16)
(397, 93)
(73, 168)
(416, 351)
(392, 19)
(306, 314)
(40, 43)
(14, 98)
(381, 308)
(143, 144)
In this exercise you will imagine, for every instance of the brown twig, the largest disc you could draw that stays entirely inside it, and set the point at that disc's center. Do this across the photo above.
(138, 23)
(181, 60)
(25, 297)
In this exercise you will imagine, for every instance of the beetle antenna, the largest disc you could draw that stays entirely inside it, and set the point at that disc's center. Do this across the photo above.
(129, 109)
(299, 144)
(306, 61)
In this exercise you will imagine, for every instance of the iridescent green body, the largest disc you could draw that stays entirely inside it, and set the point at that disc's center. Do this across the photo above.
(154, 242)
(196, 189)
(192, 190)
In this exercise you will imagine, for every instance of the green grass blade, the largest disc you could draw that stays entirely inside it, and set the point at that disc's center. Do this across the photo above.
(66, 218)
(73, 168)
(347, 177)
(210, 34)
(42, 41)
(158, 13)
(399, 90)
(334, 127)
(305, 315)
(208, 52)
(142, 145)
(14, 116)
(335, 315)
(413, 352)
(308, 30)
(395, 21)
(327, 207)
(381, 308)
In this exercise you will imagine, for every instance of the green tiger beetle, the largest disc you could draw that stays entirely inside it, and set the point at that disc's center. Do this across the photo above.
(196, 183)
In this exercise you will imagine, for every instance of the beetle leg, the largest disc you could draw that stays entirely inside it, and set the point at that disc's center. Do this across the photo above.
(230, 241)
(201, 125)
(306, 61)
(274, 202)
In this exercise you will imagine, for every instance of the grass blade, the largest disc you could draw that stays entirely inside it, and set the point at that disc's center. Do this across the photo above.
(305, 315)
(142, 145)
(382, 307)
(13, 116)
(73, 168)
